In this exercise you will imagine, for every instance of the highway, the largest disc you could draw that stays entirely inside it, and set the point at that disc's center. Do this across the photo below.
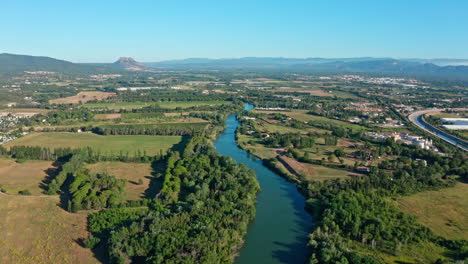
(417, 118)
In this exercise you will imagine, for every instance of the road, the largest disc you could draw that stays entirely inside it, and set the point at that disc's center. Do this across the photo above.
(418, 119)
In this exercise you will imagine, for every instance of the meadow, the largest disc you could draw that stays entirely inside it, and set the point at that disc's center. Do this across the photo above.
(37, 231)
(28, 175)
(444, 211)
(153, 145)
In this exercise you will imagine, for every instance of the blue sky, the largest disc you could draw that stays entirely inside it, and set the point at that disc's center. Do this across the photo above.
(102, 31)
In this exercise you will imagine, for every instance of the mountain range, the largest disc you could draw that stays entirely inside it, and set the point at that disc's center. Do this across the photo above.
(433, 68)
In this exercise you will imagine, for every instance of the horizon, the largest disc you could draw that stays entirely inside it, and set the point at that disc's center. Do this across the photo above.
(157, 31)
(236, 58)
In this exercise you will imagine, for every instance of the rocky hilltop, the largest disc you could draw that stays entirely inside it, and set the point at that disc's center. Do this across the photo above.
(131, 64)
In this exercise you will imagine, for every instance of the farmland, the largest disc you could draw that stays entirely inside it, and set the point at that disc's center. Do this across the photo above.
(29, 175)
(132, 172)
(153, 145)
(136, 105)
(82, 97)
(37, 231)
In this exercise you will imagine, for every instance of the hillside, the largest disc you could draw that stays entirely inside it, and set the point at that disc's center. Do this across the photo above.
(410, 67)
(12, 63)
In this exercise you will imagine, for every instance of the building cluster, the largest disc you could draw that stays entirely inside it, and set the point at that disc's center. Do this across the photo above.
(455, 123)
(406, 83)
(6, 138)
(418, 141)
(138, 88)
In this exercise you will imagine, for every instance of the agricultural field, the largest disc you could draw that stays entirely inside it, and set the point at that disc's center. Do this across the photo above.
(444, 211)
(107, 116)
(131, 172)
(37, 231)
(28, 175)
(301, 115)
(136, 105)
(82, 97)
(153, 145)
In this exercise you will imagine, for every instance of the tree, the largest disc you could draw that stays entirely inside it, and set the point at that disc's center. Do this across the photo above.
(339, 153)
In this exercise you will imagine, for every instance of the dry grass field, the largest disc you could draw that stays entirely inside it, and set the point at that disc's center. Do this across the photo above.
(313, 172)
(107, 116)
(82, 97)
(29, 175)
(444, 211)
(132, 172)
(23, 111)
(36, 231)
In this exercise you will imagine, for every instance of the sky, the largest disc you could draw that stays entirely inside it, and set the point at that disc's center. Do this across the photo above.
(102, 30)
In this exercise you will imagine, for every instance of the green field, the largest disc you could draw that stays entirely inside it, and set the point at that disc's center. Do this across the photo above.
(444, 211)
(106, 144)
(169, 105)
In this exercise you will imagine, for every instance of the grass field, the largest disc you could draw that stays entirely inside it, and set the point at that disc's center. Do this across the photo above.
(444, 211)
(301, 115)
(106, 144)
(169, 105)
(312, 172)
(37, 231)
(132, 172)
(82, 97)
(29, 175)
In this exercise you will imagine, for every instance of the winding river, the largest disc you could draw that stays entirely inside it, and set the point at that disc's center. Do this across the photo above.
(280, 229)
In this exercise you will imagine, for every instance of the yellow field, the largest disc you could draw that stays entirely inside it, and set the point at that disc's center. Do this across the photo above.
(29, 175)
(444, 211)
(82, 97)
(132, 172)
(35, 230)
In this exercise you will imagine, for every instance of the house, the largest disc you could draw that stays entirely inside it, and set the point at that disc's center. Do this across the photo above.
(363, 169)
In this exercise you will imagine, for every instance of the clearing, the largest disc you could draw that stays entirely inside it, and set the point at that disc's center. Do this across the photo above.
(132, 172)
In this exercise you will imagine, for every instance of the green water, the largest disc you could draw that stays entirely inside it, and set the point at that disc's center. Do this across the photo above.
(279, 232)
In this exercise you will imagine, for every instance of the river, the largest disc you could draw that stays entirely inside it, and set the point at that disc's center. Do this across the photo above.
(279, 233)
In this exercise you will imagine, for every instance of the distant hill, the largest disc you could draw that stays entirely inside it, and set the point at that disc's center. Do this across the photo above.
(387, 66)
(130, 64)
(12, 63)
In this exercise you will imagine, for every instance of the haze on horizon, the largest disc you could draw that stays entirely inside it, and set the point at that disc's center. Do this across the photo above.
(102, 31)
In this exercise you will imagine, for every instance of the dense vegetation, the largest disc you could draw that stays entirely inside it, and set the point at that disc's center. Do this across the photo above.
(205, 205)
(359, 210)
(177, 129)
